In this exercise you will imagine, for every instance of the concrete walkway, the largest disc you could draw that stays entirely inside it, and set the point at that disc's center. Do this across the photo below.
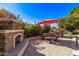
(21, 47)
(31, 50)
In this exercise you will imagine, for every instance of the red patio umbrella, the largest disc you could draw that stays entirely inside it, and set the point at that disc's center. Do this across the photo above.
(48, 21)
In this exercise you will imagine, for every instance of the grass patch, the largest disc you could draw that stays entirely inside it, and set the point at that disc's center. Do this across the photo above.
(71, 35)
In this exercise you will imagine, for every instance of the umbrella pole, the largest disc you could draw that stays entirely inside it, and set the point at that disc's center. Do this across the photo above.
(50, 28)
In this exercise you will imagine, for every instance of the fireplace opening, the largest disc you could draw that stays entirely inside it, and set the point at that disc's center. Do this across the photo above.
(17, 39)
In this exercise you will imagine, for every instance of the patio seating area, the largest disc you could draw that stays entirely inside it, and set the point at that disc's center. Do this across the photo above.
(53, 43)
(64, 47)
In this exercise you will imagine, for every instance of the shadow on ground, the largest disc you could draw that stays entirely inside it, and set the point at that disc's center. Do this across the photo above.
(68, 43)
(31, 50)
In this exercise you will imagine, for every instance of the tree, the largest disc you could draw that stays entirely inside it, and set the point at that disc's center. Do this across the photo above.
(29, 29)
(62, 22)
(71, 22)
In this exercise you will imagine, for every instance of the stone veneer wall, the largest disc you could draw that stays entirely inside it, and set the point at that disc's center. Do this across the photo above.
(9, 24)
(6, 39)
(2, 42)
(6, 25)
(9, 27)
(16, 26)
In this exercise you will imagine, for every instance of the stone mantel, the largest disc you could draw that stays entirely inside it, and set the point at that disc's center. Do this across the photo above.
(8, 19)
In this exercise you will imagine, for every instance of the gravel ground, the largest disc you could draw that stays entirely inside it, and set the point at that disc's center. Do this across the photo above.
(38, 47)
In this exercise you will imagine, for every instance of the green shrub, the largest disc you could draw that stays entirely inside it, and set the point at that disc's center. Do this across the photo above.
(30, 29)
(75, 33)
(46, 30)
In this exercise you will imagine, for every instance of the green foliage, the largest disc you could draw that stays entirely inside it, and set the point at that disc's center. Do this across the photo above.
(30, 29)
(75, 11)
(62, 22)
(46, 30)
(71, 22)
(76, 33)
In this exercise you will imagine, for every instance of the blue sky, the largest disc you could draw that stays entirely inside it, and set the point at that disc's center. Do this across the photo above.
(32, 12)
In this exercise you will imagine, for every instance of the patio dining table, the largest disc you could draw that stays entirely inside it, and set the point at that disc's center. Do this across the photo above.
(50, 36)
(76, 37)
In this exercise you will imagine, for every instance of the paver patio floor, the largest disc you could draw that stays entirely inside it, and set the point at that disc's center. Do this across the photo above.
(38, 47)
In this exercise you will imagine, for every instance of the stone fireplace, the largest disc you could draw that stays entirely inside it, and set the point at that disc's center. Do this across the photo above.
(11, 33)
